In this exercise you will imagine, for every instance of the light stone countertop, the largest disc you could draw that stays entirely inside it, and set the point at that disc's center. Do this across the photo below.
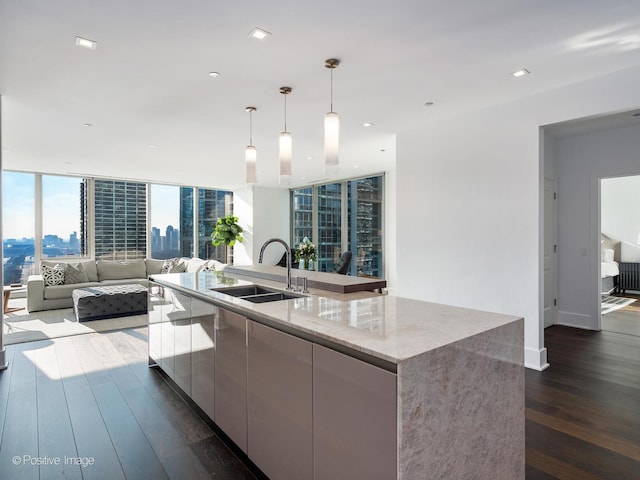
(386, 327)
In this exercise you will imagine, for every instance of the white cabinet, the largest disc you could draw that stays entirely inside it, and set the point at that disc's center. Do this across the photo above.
(279, 401)
(180, 316)
(230, 378)
(203, 355)
(354, 418)
(155, 325)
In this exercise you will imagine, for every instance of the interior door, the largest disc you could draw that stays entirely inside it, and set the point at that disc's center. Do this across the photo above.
(550, 252)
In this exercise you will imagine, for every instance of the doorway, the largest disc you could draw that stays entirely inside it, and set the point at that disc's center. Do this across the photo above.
(620, 254)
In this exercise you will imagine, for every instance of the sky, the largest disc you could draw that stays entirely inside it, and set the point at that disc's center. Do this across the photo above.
(61, 205)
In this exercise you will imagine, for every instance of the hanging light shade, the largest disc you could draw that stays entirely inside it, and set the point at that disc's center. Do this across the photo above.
(286, 144)
(250, 153)
(331, 127)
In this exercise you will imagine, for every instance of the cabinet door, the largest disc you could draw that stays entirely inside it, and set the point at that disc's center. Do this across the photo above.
(181, 318)
(155, 325)
(354, 418)
(230, 377)
(203, 355)
(167, 334)
(279, 396)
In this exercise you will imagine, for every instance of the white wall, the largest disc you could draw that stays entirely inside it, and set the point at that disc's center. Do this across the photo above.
(263, 213)
(582, 161)
(469, 231)
(620, 208)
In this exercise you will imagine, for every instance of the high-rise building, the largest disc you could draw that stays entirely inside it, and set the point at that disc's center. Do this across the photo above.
(212, 204)
(120, 219)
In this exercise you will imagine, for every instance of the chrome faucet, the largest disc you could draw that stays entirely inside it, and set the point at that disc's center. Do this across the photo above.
(288, 250)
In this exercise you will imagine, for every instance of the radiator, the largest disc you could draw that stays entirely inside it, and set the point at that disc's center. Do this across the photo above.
(629, 276)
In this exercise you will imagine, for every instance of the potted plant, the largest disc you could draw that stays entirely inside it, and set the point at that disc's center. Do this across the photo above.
(227, 232)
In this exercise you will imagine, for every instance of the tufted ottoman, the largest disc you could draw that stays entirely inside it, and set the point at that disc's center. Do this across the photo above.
(93, 303)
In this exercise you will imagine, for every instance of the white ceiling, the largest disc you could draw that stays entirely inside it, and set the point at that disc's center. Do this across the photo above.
(147, 82)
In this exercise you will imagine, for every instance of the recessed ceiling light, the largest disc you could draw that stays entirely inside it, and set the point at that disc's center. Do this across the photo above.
(259, 34)
(309, 158)
(151, 145)
(303, 178)
(356, 166)
(86, 43)
(214, 74)
(367, 124)
(87, 125)
(428, 104)
(521, 73)
(382, 150)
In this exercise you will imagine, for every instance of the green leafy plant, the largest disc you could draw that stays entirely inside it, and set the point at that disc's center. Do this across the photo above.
(227, 231)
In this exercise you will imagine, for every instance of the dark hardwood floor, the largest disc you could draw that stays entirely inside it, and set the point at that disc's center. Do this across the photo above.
(93, 398)
(583, 412)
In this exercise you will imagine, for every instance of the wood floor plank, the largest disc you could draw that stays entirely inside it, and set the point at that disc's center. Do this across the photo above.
(5, 381)
(136, 455)
(91, 435)
(583, 412)
(19, 444)
(55, 434)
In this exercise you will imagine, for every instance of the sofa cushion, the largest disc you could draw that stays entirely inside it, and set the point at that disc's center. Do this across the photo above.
(194, 265)
(74, 273)
(175, 265)
(153, 266)
(53, 275)
(64, 291)
(89, 267)
(126, 281)
(109, 270)
(213, 266)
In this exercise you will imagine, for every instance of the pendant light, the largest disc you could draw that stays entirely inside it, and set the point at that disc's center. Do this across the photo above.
(331, 127)
(286, 144)
(250, 153)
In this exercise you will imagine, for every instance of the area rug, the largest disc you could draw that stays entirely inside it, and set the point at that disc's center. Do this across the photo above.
(21, 326)
(611, 304)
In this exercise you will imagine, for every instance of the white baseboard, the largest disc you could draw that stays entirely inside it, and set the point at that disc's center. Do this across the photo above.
(576, 320)
(535, 359)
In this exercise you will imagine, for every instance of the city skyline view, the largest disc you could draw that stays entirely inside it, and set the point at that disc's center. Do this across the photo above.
(18, 198)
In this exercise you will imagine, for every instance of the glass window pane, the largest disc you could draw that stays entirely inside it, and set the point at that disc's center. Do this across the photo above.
(63, 216)
(18, 217)
(302, 214)
(186, 222)
(120, 220)
(166, 229)
(365, 197)
(212, 204)
(329, 225)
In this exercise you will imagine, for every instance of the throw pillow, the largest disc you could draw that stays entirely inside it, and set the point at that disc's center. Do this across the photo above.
(166, 265)
(179, 266)
(53, 275)
(74, 273)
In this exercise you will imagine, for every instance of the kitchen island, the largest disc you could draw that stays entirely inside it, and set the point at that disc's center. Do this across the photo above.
(332, 386)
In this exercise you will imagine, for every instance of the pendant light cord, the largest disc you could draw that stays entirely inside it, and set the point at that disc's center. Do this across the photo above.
(285, 112)
(331, 69)
(251, 128)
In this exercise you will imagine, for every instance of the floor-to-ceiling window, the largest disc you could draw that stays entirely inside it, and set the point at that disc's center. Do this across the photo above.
(63, 214)
(339, 217)
(120, 220)
(166, 229)
(364, 199)
(329, 225)
(18, 216)
(212, 204)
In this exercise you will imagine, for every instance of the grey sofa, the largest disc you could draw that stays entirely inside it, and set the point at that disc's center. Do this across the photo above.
(105, 272)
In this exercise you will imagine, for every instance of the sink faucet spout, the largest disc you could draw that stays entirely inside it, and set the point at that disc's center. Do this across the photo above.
(288, 251)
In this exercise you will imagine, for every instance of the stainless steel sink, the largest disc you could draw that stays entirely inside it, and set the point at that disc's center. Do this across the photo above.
(256, 293)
